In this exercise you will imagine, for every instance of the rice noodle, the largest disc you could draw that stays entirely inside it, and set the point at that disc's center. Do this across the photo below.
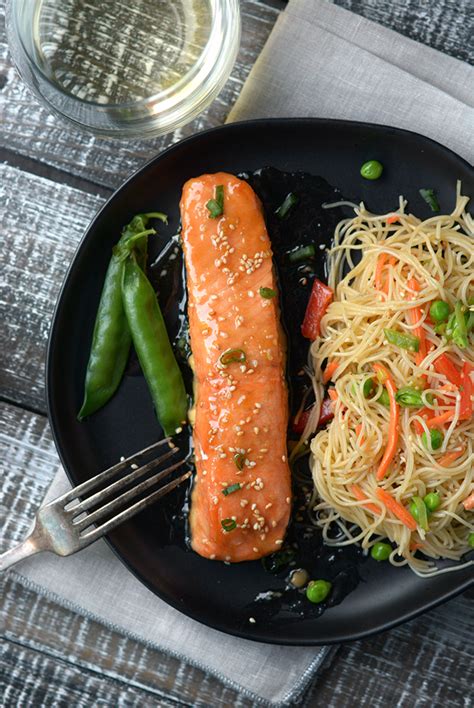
(439, 253)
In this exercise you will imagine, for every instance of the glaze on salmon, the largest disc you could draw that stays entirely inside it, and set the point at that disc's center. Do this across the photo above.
(241, 406)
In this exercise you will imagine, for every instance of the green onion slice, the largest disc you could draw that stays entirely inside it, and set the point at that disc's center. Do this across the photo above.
(368, 387)
(228, 524)
(267, 293)
(216, 206)
(402, 340)
(430, 198)
(305, 253)
(232, 355)
(285, 207)
(239, 460)
(384, 398)
(408, 396)
(457, 327)
(230, 490)
(419, 512)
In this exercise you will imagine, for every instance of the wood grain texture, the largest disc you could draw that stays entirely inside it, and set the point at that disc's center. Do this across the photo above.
(29, 129)
(42, 223)
(424, 662)
(446, 26)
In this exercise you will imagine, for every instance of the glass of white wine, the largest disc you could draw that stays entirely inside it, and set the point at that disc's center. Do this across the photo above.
(136, 68)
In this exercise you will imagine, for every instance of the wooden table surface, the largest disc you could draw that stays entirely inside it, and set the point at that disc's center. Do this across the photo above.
(52, 181)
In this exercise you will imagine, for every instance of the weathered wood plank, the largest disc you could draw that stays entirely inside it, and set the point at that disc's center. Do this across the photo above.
(29, 129)
(63, 651)
(426, 661)
(42, 223)
(446, 25)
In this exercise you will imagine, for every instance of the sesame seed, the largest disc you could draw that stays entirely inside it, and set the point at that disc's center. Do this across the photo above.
(240, 433)
(204, 472)
(251, 293)
(269, 505)
(134, 466)
(283, 457)
(256, 431)
(288, 500)
(255, 550)
(279, 542)
(212, 556)
(258, 405)
(274, 523)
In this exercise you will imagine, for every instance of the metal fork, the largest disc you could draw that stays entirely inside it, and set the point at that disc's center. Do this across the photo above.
(65, 525)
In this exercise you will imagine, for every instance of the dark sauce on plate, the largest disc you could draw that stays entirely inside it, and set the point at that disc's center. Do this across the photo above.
(306, 223)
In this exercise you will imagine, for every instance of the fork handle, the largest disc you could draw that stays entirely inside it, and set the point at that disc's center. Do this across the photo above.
(28, 547)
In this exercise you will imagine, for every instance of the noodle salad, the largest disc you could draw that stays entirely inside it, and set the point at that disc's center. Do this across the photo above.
(394, 343)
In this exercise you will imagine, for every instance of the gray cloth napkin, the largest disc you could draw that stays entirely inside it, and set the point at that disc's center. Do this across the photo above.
(323, 61)
(316, 63)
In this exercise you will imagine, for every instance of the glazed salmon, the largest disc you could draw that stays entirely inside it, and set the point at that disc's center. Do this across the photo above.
(242, 492)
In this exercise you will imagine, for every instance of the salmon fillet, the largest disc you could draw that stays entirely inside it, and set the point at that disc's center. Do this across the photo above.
(241, 407)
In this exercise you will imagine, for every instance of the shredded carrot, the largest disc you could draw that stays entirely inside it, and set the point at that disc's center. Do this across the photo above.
(426, 414)
(333, 394)
(359, 494)
(415, 546)
(415, 316)
(444, 365)
(393, 428)
(449, 457)
(329, 371)
(439, 419)
(379, 270)
(358, 430)
(392, 219)
(397, 509)
(468, 503)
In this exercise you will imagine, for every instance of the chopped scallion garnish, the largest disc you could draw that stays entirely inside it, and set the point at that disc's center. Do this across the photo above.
(216, 205)
(231, 489)
(402, 340)
(232, 355)
(288, 203)
(304, 253)
(430, 198)
(267, 293)
(239, 460)
(228, 524)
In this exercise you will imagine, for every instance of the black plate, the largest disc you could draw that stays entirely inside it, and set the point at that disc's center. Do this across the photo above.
(211, 592)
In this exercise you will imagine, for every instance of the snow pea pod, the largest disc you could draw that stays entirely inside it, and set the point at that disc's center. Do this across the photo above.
(111, 338)
(153, 347)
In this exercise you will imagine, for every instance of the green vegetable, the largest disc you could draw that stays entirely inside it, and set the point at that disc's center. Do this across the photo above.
(470, 540)
(153, 347)
(111, 338)
(216, 206)
(439, 311)
(368, 387)
(228, 524)
(304, 253)
(430, 198)
(432, 501)
(239, 460)
(384, 398)
(419, 512)
(436, 439)
(407, 396)
(372, 169)
(267, 293)
(231, 489)
(232, 355)
(456, 329)
(285, 207)
(277, 561)
(402, 340)
(318, 590)
(381, 551)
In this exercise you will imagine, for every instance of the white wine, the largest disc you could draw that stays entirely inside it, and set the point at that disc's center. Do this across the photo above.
(119, 51)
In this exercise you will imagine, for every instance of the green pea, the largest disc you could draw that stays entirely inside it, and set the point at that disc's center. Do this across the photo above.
(318, 590)
(368, 387)
(439, 311)
(381, 551)
(470, 540)
(371, 170)
(432, 501)
(436, 439)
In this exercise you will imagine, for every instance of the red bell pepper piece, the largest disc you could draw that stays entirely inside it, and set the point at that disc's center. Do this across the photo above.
(465, 409)
(444, 365)
(327, 413)
(319, 300)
